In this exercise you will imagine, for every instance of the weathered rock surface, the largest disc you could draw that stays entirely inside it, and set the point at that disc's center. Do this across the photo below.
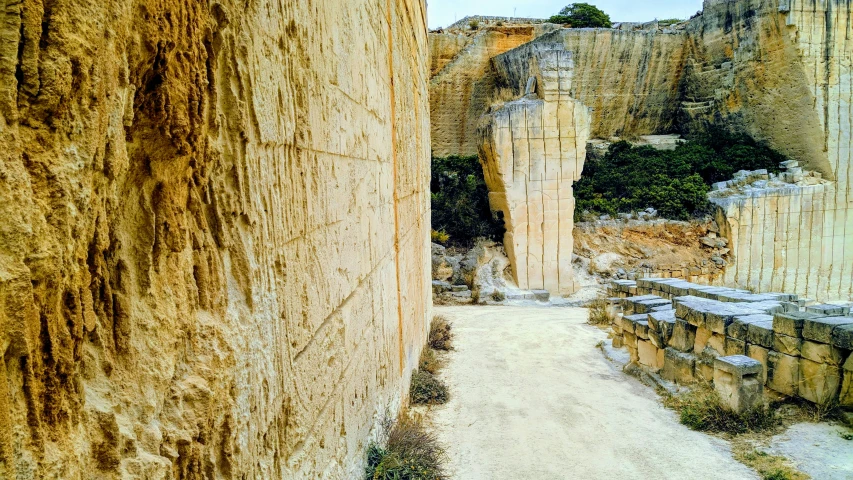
(214, 223)
(532, 152)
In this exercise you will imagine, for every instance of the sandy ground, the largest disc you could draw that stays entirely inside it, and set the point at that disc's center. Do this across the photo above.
(532, 398)
(817, 449)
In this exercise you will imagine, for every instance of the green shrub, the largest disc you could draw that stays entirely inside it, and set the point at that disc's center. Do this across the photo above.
(701, 409)
(460, 201)
(429, 361)
(410, 453)
(582, 15)
(426, 389)
(674, 182)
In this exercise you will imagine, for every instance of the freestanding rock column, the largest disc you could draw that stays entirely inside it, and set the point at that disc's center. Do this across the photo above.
(532, 151)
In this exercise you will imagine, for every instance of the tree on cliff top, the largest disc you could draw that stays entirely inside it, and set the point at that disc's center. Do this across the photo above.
(582, 15)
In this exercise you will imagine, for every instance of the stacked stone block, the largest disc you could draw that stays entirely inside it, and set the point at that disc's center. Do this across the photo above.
(683, 330)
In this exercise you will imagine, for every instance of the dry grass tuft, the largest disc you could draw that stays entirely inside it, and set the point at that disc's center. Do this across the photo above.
(440, 335)
(598, 312)
(410, 453)
(426, 389)
(701, 409)
(770, 467)
(429, 361)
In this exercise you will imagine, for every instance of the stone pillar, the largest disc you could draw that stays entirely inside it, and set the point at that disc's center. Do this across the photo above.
(737, 379)
(532, 151)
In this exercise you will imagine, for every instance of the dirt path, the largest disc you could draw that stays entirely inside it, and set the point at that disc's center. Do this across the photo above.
(532, 398)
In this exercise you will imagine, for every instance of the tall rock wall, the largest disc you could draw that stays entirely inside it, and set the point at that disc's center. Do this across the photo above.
(532, 152)
(799, 239)
(214, 229)
(778, 70)
(462, 85)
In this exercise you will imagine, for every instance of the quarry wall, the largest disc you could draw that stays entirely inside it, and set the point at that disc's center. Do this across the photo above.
(779, 71)
(214, 243)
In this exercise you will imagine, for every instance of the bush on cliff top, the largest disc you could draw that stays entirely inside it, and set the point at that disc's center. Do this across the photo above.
(582, 15)
(460, 201)
(676, 182)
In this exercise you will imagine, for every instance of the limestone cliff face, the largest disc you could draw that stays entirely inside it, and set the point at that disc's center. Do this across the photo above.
(462, 85)
(778, 70)
(798, 239)
(214, 240)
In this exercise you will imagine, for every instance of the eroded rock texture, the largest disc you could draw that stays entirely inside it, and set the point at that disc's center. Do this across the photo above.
(213, 234)
(532, 152)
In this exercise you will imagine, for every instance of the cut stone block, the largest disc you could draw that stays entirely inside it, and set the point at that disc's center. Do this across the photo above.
(791, 323)
(542, 295)
(648, 354)
(717, 343)
(646, 306)
(738, 383)
(761, 333)
(842, 337)
(663, 323)
(819, 382)
(735, 346)
(704, 368)
(759, 353)
(618, 341)
(829, 310)
(787, 345)
(678, 366)
(701, 339)
(683, 336)
(740, 326)
(783, 373)
(822, 353)
(630, 340)
(846, 397)
(820, 329)
(641, 329)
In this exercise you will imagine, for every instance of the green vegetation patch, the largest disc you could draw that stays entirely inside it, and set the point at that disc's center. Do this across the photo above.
(460, 202)
(701, 409)
(582, 15)
(674, 182)
(410, 453)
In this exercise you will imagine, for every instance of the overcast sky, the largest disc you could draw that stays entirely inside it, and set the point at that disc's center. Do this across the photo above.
(442, 13)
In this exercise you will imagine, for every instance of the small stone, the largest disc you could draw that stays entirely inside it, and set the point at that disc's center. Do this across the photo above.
(820, 329)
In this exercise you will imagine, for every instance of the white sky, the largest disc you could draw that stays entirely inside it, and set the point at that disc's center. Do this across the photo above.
(442, 13)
